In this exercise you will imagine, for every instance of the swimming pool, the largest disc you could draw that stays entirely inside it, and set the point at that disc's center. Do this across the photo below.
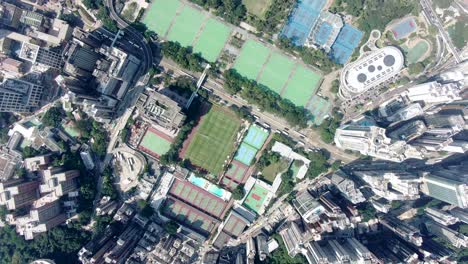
(206, 185)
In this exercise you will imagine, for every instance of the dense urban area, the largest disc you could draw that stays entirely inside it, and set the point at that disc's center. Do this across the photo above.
(233, 131)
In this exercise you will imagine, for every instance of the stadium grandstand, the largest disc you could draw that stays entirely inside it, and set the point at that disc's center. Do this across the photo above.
(302, 20)
(325, 31)
(370, 71)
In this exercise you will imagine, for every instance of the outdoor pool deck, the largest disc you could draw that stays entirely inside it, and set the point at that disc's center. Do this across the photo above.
(213, 189)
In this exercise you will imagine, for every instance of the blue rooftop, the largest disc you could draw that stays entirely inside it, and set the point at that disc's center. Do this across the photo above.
(302, 19)
(348, 39)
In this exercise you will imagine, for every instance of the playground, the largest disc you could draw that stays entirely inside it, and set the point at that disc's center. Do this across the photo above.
(155, 143)
(213, 140)
(177, 21)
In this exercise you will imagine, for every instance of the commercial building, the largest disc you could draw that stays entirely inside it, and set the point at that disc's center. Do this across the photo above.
(434, 92)
(346, 187)
(20, 96)
(46, 58)
(457, 239)
(370, 71)
(392, 185)
(372, 141)
(450, 186)
(408, 131)
(308, 207)
(160, 109)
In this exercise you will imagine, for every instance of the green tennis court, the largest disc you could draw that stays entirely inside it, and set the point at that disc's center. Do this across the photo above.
(251, 59)
(245, 154)
(320, 108)
(236, 171)
(212, 39)
(255, 198)
(160, 15)
(276, 72)
(155, 143)
(186, 26)
(214, 140)
(256, 136)
(301, 86)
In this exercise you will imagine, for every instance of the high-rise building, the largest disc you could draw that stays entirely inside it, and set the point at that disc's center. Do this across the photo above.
(440, 216)
(402, 229)
(308, 207)
(434, 92)
(392, 185)
(408, 131)
(372, 141)
(349, 250)
(347, 187)
(19, 96)
(10, 15)
(449, 186)
(457, 239)
(16, 193)
(59, 182)
(292, 238)
(461, 214)
(262, 247)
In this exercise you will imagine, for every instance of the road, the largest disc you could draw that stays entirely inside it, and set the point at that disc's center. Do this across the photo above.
(433, 18)
(134, 34)
(310, 138)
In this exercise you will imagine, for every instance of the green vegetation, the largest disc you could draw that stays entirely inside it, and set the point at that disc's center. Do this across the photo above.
(238, 193)
(280, 255)
(266, 99)
(416, 68)
(271, 164)
(459, 33)
(318, 164)
(107, 21)
(275, 15)
(257, 7)
(328, 127)
(91, 129)
(314, 57)
(92, 4)
(60, 244)
(242, 112)
(129, 12)
(367, 212)
(53, 117)
(287, 183)
(108, 188)
(443, 3)
(6, 119)
(145, 209)
(335, 86)
(171, 227)
(183, 56)
(232, 11)
(172, 156)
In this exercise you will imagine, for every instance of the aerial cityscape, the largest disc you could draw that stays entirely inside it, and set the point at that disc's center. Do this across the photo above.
(233, 131)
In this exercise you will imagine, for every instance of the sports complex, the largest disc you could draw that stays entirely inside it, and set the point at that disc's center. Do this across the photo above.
(251, 144)
(256, 198)
(213, 140)
(178, 21)
(155, 143)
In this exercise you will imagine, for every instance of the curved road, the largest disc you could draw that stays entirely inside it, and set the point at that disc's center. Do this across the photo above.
(134, 34)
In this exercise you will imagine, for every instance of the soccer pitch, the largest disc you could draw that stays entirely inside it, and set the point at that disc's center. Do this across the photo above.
(186, 26)
(251, 60)
(160, 15)
(214, 140)
(212, 39)
(301, 86)
(276, 72)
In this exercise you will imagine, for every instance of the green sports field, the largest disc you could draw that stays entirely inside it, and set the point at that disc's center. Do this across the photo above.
(214, 140)
(276, 72)
(255, 198)
(251, 60)
(415, 53)
(257, 7)
(301, 86)
(160, 15)
(186, 26)
(212, 39)
(155, 143)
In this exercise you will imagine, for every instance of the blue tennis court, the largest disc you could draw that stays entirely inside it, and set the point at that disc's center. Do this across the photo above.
(256, 137)
(348, 39)
(301, 20)
(404, 28)
(245, 154)
(323, 34)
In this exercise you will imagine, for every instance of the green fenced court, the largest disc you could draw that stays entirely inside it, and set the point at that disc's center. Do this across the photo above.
(245, 154)
(186, 26)
(211, 41)
(255, 198)
(237, 171)
(251, 59)
(276, 72)
(256, 136)
(155, 143)
(302, 85)
(180, 22)
(415, 53)
(159, 17)
(214, 140)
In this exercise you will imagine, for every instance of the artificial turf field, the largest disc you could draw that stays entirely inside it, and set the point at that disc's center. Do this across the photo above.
(255, 198)
(214, 140)
(180, 22)
(276, 72)
(155, 142)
